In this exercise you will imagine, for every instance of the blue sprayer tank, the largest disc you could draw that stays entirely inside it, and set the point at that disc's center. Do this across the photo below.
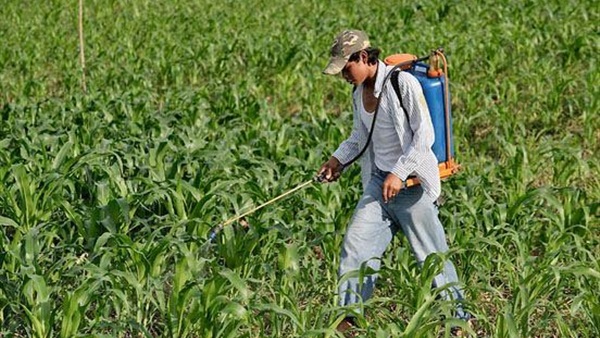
(433, 88)
(437, 94)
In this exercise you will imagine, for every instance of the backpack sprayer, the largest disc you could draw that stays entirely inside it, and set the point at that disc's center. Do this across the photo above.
(434, 81)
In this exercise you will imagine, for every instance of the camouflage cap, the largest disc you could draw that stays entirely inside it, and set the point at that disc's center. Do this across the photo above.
(345, 44)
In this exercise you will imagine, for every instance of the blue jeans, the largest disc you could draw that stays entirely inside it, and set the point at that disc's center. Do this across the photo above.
(372, 228)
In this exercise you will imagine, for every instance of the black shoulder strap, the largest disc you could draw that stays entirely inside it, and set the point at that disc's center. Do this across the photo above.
(394, 79)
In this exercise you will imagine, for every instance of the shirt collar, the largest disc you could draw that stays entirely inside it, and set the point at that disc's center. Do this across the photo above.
(381, 72)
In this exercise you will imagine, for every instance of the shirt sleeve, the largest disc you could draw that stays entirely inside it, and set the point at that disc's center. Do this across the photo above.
(349, 148)
(413, 101)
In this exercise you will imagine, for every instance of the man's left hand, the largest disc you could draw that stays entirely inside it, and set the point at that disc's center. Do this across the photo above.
(391, 186)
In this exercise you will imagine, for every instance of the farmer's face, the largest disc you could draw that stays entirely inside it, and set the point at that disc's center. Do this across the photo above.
(355, 72)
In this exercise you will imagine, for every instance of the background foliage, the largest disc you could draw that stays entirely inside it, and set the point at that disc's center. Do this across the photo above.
(199, 110)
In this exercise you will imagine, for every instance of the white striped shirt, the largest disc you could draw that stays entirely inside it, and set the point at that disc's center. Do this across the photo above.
(415, 135)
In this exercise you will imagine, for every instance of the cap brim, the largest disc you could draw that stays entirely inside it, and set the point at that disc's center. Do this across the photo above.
(335, 65)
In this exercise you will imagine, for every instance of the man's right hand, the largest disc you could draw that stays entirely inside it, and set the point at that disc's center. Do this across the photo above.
(330, 171)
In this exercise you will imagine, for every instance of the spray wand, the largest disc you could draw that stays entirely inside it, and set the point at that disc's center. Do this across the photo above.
(215, 230)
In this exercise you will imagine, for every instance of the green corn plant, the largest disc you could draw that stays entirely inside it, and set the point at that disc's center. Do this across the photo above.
(38, 306)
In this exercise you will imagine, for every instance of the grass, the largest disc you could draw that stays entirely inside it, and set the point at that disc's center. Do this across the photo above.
(196, 111)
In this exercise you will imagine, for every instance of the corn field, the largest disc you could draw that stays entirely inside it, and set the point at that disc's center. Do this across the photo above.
(196, 111)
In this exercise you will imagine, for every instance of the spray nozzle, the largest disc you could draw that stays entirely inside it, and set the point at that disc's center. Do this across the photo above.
(212, 235)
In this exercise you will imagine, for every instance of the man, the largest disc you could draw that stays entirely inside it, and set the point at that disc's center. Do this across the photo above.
(398, 149)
